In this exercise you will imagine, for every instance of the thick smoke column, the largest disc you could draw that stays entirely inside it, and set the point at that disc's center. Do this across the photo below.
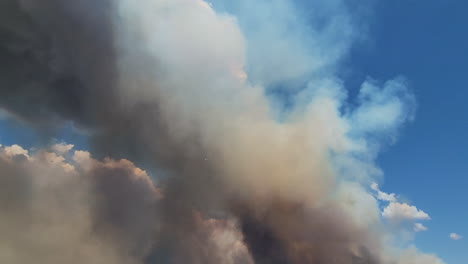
(166, 84)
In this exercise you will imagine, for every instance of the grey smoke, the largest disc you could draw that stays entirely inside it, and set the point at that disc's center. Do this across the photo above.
(167, 84)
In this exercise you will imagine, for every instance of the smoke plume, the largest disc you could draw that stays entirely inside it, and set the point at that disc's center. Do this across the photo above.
(182, 88)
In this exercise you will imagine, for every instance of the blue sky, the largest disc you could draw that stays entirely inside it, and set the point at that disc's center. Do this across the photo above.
(427, 43)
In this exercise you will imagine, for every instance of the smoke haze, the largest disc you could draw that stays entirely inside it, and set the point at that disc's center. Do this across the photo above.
(181, 89)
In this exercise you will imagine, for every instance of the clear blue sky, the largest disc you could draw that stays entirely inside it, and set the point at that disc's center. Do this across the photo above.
(427, 42)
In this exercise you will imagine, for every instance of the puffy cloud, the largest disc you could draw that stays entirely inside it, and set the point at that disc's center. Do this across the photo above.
(62, 148)
(15, 150)
(388, 197)
(82, 157)
(455, 236)
(399, 214)
(418, 227)
(54, 160)
(396, 211)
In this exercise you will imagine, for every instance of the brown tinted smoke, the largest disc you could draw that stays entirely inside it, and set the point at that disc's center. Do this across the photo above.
(226, 169)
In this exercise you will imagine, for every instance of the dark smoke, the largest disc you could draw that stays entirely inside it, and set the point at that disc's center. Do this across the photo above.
(286, 232)
(57, 60)
(59, 63)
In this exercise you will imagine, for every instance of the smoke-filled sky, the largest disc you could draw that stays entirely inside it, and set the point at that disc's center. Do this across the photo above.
(232, 132)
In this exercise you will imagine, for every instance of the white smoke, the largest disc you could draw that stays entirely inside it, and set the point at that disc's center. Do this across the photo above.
(193, 66)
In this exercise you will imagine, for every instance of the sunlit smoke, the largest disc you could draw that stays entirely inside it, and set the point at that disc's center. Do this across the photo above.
(181, 88)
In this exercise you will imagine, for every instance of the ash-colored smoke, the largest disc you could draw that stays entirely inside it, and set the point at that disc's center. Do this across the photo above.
(167, 83)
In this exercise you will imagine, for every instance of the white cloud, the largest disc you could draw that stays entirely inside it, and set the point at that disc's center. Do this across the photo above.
(386, 196)
(54, 160)
(81, 156)
(62, 148)
(455, 236)
(396, 211)
(383, 196)
(16, 150)
(418, 227)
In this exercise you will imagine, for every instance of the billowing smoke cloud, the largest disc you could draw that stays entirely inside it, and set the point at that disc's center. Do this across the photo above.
(182, 90)
(57, 210)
